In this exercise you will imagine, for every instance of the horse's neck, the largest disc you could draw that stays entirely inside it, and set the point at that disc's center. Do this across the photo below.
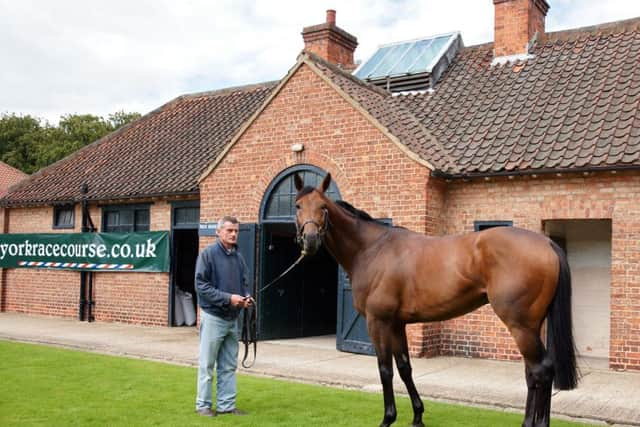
(347, 238)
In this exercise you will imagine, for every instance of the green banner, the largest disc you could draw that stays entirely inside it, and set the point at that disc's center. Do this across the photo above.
(148, 251)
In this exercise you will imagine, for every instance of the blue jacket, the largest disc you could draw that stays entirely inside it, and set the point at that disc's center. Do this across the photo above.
(220, 273)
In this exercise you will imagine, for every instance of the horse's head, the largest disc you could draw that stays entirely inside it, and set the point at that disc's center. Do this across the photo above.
(312, 219)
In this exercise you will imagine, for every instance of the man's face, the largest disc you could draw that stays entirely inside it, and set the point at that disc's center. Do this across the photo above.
(228, 234)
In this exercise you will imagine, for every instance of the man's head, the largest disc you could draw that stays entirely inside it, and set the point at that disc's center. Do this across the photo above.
(228, 229)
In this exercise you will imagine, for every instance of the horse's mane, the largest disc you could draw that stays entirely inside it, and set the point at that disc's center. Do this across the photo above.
(358, 213)
(351, 210)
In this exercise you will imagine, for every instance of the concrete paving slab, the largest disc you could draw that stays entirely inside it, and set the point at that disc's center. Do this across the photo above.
(603, 396)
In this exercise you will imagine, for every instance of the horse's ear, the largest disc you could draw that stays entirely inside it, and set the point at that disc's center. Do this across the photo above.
(325, 182)
(298, 182)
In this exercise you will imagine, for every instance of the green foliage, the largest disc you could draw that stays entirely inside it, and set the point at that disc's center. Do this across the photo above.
(17, 134)
(43, 386)
(28, 144)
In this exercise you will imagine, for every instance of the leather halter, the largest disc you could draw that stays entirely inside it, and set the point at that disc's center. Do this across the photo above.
(322, 230)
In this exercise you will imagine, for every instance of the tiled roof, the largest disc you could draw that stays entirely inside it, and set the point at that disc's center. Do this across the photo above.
(162, 153)
(9, 176)
(574, 105)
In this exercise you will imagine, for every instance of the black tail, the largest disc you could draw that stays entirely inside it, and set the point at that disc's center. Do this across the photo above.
(560, 344)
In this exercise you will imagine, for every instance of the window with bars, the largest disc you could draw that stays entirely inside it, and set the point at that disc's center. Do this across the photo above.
(125, 219)
(63, 216)
(186, 216)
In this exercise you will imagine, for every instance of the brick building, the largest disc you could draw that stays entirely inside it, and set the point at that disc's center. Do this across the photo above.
(537, 130)
(9, 176)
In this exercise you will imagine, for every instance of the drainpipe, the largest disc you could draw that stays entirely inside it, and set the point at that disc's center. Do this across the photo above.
(86, 277)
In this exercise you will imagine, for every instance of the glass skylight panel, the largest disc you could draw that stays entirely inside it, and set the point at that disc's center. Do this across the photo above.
(365, 70)
(411, 57)
(430, 52)
(389, 61)
(415, 51)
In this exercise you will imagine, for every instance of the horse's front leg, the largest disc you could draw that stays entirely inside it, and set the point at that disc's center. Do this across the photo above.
(401, 354)
(381, 337)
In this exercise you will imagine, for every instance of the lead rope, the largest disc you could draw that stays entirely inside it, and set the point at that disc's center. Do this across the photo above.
(249, 333)
(302, 255)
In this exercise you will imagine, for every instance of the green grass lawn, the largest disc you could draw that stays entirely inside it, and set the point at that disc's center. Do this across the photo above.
(45, 386)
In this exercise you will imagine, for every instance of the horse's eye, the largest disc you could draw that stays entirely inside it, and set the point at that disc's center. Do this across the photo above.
(297, 206)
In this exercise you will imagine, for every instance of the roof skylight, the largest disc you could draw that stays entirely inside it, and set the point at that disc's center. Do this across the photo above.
(418, 61)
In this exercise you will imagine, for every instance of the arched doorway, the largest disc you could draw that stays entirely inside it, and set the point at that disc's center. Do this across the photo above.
(303, 303)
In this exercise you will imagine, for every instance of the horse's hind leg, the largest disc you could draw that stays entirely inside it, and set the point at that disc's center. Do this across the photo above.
(401, 354)
(539, 376)
(381, 336)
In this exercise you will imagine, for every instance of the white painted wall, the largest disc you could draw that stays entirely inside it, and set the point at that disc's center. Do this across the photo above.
(589, 253)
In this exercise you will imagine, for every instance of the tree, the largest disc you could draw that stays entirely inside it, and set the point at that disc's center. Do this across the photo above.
(120, 118)
(17, 134)
(28, 145)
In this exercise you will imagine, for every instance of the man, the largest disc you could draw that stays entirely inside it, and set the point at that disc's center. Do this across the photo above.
(223, 289)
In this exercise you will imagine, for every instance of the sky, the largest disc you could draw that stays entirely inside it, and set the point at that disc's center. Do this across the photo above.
(98, 57)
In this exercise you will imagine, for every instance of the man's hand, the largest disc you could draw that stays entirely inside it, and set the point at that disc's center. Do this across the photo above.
(239, 301)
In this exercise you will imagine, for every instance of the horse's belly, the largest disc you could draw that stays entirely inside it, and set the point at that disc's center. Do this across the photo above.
(433, 307)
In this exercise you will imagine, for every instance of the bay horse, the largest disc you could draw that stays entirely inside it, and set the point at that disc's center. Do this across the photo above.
(400, 277)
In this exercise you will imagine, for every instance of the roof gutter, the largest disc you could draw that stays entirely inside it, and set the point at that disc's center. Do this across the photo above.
(7, 203)
(532, 172)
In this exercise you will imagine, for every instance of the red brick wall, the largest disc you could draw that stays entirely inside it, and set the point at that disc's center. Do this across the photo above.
(332, 51)
(528, 202)
(140, 298)
(371, 172)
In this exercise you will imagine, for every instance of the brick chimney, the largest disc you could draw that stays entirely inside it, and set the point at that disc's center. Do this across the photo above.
(516, 23)
(330, 42)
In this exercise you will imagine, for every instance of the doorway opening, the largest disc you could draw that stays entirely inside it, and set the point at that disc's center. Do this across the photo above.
(302, 303)
(185, 253)
(588, 247)
(185, 217)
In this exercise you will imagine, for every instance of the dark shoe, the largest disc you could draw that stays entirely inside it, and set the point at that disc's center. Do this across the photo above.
(233, 412)
(206, 412)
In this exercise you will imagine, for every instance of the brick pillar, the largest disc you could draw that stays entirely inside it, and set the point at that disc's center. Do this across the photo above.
(516, 22)
(330, 42)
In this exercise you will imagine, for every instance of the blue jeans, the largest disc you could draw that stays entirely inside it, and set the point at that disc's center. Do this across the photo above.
(219, 348)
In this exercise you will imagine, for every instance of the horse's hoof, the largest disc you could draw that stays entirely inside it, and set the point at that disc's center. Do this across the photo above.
(420, 424)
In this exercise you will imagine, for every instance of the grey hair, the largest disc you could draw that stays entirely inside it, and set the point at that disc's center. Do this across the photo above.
(231, 219)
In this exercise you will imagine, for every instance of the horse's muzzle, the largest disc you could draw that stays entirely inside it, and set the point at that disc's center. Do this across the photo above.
(311, 243)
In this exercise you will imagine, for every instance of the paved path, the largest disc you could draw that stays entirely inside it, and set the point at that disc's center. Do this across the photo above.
(603, 396)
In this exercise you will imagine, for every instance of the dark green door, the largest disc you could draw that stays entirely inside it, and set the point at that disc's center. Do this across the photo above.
(303, 302)
(280, 308)
(351, 335)
(247, 247)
